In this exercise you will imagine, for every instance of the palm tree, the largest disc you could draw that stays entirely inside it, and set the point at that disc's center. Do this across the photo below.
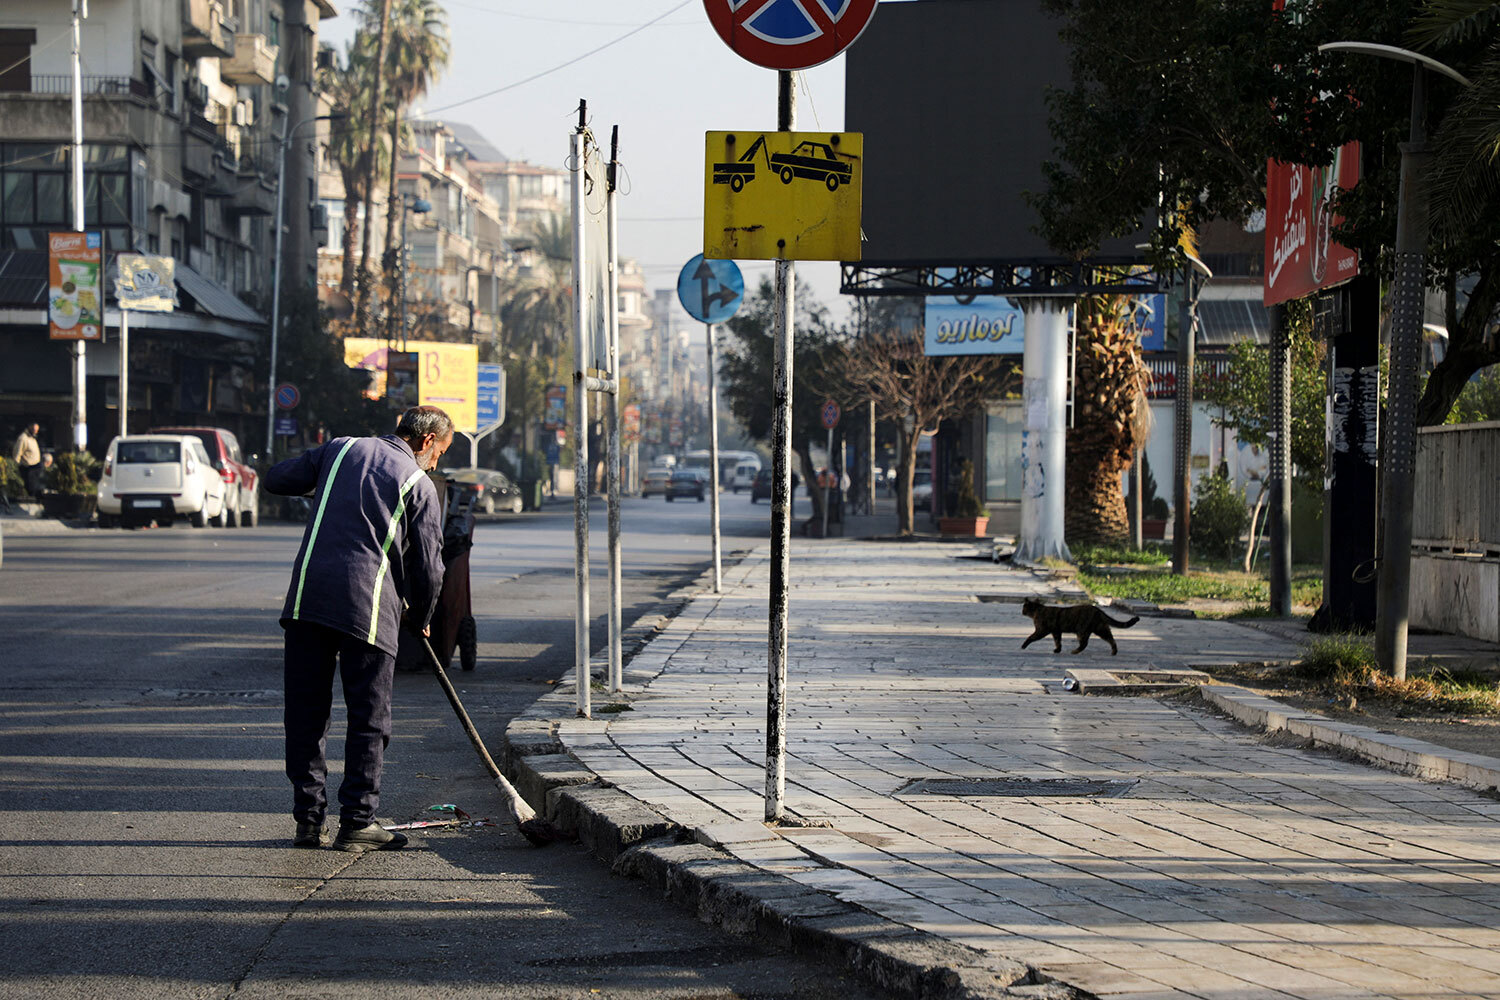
(417, 52)
(1465, 188)
(347, 86)
(1111, 419)
(377, 103)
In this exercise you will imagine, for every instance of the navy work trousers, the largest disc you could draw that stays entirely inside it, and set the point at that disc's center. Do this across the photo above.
(367, 673)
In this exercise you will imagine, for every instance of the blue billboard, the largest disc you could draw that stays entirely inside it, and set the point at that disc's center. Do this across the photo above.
(988, 325)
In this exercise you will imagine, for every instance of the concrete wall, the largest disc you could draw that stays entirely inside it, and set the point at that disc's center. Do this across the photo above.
(1456, 593)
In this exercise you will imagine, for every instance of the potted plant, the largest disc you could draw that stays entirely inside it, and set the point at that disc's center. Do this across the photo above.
(971, 517)
(72, 494)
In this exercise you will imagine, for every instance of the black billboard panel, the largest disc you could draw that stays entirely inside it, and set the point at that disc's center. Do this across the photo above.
(951, 98)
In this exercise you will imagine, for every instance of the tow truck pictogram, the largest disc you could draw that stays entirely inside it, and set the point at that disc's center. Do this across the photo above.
(811, 160)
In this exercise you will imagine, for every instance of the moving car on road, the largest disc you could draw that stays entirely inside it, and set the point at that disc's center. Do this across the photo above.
(655, 480)
(691, 482)
(160, 477)
(492, 489)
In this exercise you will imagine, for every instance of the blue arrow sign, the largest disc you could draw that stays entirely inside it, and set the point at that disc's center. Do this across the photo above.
(711, 290)
(490, 408)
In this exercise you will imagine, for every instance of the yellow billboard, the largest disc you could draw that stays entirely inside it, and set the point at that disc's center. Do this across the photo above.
(786, 195)
(447, 374)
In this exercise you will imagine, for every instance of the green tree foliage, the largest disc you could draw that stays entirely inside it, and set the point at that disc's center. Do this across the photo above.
(1480, 400)
(746, 364)
(312, 356)
(1219, 516)
(1241, 395)
(1181, 104)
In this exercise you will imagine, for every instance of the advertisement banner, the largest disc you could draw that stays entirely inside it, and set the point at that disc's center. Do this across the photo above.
(557, 407)
(447, 374)
(146, 283)
(75, 295)
(632, 421)
(988, 325)
(401, 382)
(1301, 256)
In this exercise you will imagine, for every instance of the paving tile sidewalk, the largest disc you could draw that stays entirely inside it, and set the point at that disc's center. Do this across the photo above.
(1231, 867)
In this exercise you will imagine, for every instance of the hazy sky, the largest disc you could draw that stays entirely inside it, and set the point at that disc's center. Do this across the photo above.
(664, 86)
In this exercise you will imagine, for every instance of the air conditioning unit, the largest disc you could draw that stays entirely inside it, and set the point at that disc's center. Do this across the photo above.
(198, 93)
(244, 113)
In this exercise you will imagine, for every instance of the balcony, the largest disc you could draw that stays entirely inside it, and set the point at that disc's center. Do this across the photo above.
(253, 64)
(205, 30)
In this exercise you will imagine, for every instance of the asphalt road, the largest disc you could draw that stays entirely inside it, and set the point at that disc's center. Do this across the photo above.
(144, 832)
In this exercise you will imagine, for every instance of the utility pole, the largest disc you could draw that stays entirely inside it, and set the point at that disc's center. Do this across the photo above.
(1281, 491)
(80, 347)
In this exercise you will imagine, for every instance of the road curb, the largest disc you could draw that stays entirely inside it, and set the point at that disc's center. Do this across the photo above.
(1396, 753)
(639, 842)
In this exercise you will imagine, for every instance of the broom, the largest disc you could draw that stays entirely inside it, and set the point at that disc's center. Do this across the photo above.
(533, 827)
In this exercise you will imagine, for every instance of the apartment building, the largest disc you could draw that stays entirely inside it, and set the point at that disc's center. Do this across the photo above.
(183, 105)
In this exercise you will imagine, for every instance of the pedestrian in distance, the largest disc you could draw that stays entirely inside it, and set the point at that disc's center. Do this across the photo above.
(371, 548)
(28, 455)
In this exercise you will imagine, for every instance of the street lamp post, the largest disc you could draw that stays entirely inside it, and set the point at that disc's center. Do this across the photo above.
(1195, 274)
(1408, 293)
(421, 206)
(286, 134)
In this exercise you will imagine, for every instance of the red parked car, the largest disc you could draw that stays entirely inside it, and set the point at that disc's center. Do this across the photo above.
(242, 494)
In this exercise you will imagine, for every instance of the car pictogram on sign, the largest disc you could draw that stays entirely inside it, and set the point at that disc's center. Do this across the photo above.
(816, 161)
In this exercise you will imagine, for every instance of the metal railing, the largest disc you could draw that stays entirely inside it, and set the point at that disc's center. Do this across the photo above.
(110, 86)
(1456, 505)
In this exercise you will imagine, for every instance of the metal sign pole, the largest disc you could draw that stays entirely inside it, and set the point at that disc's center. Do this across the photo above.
(713, 453)
(612, 441)
(781, 495)
(580, 429)
(825, 485)
(124, 371)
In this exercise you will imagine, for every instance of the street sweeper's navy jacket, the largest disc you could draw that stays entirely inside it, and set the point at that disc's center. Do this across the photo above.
(373, 538)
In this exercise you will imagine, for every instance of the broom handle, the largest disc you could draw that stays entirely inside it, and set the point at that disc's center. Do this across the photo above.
(463, 717)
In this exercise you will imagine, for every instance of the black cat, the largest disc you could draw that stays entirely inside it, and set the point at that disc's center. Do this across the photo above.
(1082, 620)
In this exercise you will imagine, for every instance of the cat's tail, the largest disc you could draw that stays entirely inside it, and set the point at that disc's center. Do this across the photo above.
(1119, 624)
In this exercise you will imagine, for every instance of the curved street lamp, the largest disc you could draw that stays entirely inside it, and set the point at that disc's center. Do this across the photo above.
(1409, 292)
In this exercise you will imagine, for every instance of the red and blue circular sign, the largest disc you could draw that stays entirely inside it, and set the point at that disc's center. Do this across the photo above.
(287, 396)
(789, 34)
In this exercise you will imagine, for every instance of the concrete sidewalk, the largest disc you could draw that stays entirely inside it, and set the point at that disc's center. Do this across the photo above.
(1205, 861)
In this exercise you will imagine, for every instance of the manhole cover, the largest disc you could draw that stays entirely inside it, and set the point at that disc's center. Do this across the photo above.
(185, 694)
(1067, 788)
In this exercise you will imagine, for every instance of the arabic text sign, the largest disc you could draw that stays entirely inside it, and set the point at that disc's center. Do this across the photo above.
(988, 325)
(1301, 256)
(782, 195)
(146, 283)
(75, 295)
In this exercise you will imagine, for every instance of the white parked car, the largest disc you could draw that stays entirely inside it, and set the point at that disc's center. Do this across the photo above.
(160, 477)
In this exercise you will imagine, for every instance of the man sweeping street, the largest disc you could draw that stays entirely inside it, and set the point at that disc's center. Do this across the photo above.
(372, 545)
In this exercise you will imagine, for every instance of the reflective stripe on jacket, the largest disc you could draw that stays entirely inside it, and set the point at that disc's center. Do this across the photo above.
(373, 541)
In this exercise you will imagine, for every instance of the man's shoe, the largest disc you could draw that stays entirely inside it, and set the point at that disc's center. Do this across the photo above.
(309, 834)
(360, 837)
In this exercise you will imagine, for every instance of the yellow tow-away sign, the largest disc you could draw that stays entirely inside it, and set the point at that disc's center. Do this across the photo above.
(782, 195)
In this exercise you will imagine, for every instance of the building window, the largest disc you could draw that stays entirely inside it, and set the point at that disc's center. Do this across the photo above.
(334, 210)
(15, 59)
